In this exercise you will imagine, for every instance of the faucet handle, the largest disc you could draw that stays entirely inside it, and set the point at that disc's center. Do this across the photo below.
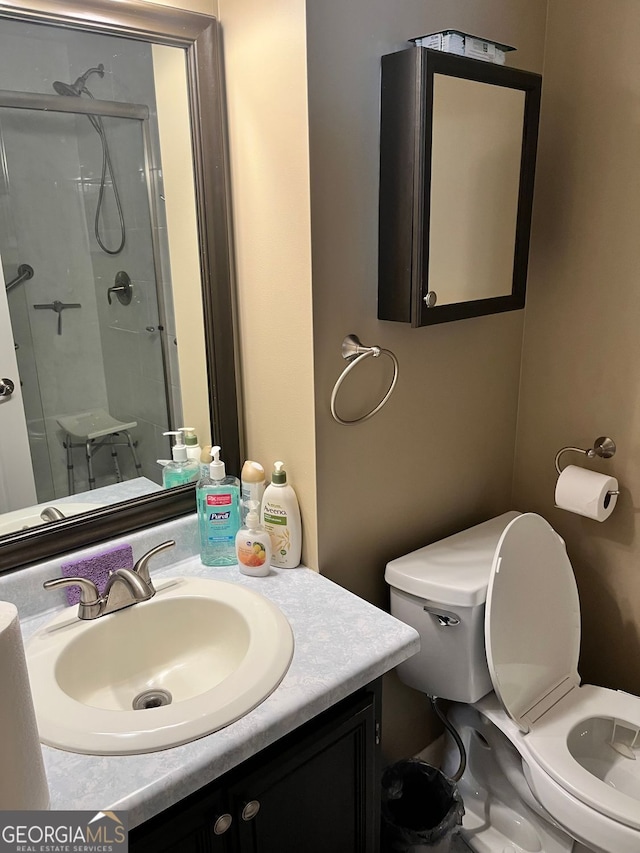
(142, 565)
(90, 601)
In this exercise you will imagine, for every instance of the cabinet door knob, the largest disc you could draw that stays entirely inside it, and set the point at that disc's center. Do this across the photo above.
(222, 824)
(250, 810)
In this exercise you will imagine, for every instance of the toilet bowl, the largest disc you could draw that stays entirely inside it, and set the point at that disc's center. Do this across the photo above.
(498, 612)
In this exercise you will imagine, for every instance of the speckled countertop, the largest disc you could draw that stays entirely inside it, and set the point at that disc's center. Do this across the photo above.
(341, 644)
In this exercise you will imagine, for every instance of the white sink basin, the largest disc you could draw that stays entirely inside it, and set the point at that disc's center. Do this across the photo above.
(197, 656)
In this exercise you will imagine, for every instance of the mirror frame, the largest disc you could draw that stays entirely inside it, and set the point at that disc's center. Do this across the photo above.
(199, 36)
(405, 183)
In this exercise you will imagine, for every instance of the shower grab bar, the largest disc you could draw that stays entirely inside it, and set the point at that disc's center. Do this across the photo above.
(78, 106)
(25, 272)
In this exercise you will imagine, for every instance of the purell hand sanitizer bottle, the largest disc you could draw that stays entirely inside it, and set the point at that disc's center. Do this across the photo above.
(218, 499)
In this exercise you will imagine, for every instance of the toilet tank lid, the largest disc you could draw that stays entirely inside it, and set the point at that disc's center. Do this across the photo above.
(454, 570)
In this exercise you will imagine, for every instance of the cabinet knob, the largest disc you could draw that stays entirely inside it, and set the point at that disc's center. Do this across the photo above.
(430, 299)
(250, 810)
(222, 824)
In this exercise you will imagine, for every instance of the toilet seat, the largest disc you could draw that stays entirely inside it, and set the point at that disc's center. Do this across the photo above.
(548, 743)
(532, 620)
(532, 640)
(584, 823)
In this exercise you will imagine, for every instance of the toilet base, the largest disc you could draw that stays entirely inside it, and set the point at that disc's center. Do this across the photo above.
(501, 814)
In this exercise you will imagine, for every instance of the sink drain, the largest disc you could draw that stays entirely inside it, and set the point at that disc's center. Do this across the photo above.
(152, 699)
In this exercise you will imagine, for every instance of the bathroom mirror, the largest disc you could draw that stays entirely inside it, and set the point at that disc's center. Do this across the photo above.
(151, 338)
(457, 161)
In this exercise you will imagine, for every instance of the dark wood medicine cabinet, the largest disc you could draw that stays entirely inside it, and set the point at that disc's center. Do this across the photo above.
(458, 143)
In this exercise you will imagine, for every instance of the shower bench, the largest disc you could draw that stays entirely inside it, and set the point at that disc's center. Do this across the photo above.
(96, 429)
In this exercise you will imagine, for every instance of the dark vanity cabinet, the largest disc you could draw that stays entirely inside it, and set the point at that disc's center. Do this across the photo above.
(458, 145)
(316, 790)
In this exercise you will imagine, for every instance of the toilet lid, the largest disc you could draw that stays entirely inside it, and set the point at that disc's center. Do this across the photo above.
(532, 620)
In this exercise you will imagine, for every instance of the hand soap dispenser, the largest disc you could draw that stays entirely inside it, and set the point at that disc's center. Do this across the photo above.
(218, 499)
(181, 470)
(253, 544)
(191, 440)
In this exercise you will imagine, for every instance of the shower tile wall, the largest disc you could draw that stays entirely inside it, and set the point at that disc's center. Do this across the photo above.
(131, 339)
(124, 374)
(130, 336)
(10, 250)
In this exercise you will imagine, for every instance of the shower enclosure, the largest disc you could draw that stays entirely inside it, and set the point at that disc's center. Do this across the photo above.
(80, 208)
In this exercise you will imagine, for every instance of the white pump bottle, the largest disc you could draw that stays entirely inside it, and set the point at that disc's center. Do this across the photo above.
(280, 517)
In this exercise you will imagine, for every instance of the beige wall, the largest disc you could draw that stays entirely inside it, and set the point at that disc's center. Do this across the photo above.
(265, 62)
(205, 7)
(440, 455)
(170, 75)
(581, 365)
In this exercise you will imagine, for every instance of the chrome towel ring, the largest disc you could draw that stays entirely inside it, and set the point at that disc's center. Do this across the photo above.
(354, 352)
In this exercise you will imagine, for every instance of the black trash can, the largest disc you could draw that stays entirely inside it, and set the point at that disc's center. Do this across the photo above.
(421, 808)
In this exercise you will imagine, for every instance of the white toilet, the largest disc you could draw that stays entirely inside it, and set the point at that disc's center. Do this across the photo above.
(553, 766)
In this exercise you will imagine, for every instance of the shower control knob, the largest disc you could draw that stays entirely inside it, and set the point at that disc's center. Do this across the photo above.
(6, 387)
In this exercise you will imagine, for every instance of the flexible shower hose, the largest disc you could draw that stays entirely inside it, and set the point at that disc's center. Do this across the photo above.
(96, 121)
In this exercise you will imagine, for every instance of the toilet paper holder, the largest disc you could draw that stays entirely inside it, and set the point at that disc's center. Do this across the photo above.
(603, 447)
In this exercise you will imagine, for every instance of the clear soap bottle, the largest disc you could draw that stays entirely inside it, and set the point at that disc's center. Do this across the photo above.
(218, 500)
(181, 469)
(253, 544)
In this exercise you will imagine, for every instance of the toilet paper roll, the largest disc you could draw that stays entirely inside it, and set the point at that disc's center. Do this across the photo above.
(586, 492)
(23, 784)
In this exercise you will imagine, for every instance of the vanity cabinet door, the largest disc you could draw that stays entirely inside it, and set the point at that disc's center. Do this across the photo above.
(317, 795)
(317, 790)
(199, 824)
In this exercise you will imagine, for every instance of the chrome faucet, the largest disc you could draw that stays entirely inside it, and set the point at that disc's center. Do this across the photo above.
(124, 588)
(141, 567)
(51, 513)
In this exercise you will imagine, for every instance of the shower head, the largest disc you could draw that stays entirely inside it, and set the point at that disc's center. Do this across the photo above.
(74, 90)
(65, 88)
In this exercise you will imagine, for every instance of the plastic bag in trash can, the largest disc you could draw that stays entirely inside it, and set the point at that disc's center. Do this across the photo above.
(420, 806)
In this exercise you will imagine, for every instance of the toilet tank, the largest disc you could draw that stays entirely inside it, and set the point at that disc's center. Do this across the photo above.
(441, 590)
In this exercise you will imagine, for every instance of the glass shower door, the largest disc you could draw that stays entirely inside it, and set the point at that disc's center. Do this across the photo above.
(17, 487)
(89, 344)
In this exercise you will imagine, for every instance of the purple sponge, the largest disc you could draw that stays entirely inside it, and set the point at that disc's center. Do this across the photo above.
(97, 569)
